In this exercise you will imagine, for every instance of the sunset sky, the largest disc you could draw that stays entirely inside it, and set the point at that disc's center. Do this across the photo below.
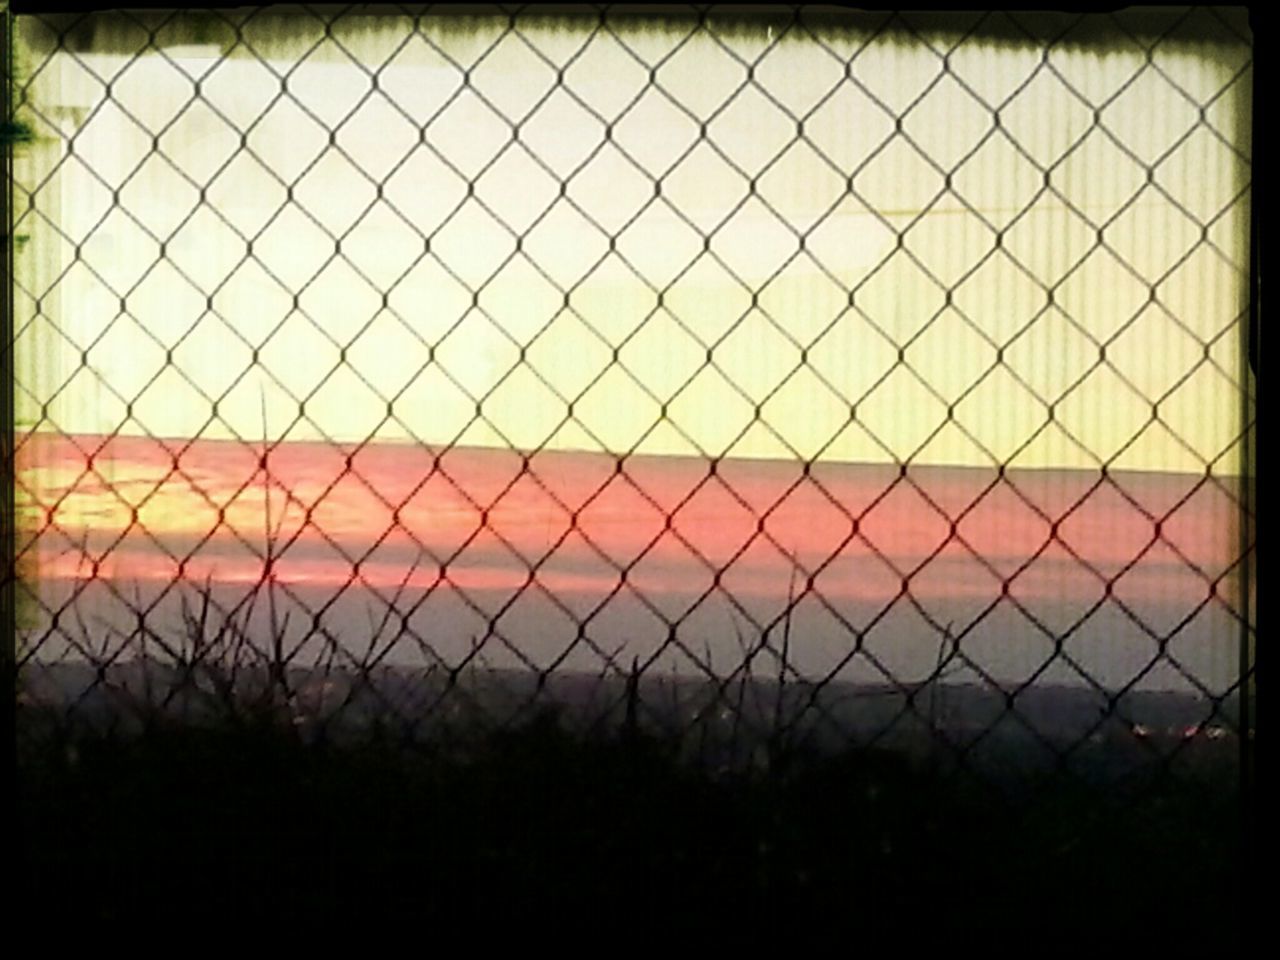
(477, 302)
(484, 246)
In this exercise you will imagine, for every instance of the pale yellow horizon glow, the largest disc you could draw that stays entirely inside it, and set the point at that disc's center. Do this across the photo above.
(326, 334)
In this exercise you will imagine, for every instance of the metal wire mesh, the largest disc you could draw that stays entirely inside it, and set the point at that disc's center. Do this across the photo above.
(899, 251)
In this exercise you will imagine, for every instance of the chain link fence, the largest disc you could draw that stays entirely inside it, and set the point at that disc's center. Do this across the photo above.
(806, 375)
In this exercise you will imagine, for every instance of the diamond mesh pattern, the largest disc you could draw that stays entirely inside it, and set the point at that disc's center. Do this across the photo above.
(655, 237)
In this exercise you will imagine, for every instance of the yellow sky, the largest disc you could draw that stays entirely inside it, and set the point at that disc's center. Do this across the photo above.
(799, 358)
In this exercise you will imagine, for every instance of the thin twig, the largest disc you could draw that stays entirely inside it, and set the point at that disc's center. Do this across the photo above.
(777, 733)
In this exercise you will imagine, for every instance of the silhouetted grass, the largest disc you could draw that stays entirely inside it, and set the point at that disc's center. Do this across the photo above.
(214, 794)
(541, 825)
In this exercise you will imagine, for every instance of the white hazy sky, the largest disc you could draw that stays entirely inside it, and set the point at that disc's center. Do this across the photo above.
(525, 333)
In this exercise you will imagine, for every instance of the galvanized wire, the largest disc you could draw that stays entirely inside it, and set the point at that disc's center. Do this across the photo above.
(769, 655)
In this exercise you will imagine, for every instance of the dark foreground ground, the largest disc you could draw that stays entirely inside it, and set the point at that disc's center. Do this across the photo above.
(209, 824)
